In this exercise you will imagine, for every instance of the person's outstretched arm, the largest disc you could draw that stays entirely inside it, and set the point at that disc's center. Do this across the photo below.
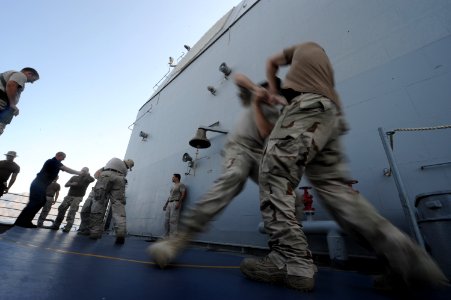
(70, 171)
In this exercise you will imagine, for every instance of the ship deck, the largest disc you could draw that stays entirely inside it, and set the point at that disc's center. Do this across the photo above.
(45, 264)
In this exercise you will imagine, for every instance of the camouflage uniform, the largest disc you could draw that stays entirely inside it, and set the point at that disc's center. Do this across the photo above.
(110, 186)
(172, 212)
(72, 203)
(242, 155)
(306, 139)
(239, 164)
(52, 189)
(306, 133)
(85, 212)
(72, 200)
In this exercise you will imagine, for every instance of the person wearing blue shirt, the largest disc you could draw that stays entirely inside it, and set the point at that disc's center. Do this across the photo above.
(37, 198)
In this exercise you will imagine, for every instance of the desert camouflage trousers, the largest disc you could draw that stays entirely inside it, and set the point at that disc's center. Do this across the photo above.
(171, 218)
(240, 163)
(72, 203)
(110, 186)
(45, 210)
(85, 212)
(306, 139)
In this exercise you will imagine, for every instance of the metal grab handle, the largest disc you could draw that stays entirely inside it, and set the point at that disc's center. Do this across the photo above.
(408, 211)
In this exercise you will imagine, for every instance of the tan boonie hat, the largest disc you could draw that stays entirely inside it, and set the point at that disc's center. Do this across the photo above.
(11, 153)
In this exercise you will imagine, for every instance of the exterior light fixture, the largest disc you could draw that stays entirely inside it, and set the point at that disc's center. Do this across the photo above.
(225, 69)
(144, 135)
(171, 62)
(211, 89)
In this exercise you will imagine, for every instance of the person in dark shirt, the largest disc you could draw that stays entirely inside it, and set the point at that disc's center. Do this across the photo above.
(38, 188)
(8, 168)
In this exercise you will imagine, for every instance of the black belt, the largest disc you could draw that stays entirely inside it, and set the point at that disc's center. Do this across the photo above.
(290, 94)
(113, 170)
(173, 201)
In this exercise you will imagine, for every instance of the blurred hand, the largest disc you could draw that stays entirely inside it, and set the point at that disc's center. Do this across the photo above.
(277, 99)
(261, 94)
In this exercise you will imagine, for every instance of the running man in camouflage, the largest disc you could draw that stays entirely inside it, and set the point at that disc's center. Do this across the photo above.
(307, 139)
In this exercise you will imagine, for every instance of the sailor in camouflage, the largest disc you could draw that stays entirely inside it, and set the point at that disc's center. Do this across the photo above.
(77, 189)
(307, 139)
(52, 194)
(110, 186)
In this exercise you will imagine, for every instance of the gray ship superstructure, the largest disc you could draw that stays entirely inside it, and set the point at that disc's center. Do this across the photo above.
(392, 71)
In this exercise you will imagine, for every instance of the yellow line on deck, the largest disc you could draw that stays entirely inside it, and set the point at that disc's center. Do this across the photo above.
(118, 258)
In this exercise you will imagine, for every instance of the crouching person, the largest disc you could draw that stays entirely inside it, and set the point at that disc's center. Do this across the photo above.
(110, 186)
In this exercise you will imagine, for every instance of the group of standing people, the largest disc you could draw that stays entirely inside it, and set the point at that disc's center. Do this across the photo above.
(44, 189)
(38, 189)
(304, 139)
(110, 186)
(77, 189)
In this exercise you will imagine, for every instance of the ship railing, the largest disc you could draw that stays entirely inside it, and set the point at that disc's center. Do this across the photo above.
(387, 138)
(12, 204)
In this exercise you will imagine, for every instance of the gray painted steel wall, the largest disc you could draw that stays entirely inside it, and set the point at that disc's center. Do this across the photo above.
(392, 67)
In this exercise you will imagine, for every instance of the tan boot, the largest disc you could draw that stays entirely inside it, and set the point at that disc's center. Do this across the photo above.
(165, 251)
(263, 269)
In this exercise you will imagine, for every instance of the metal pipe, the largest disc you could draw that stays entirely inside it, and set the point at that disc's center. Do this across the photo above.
(435, 165)
(320, 226)
(214, 130)
(408, 211)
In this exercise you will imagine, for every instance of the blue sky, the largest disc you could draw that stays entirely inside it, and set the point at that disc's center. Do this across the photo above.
(98, 61)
